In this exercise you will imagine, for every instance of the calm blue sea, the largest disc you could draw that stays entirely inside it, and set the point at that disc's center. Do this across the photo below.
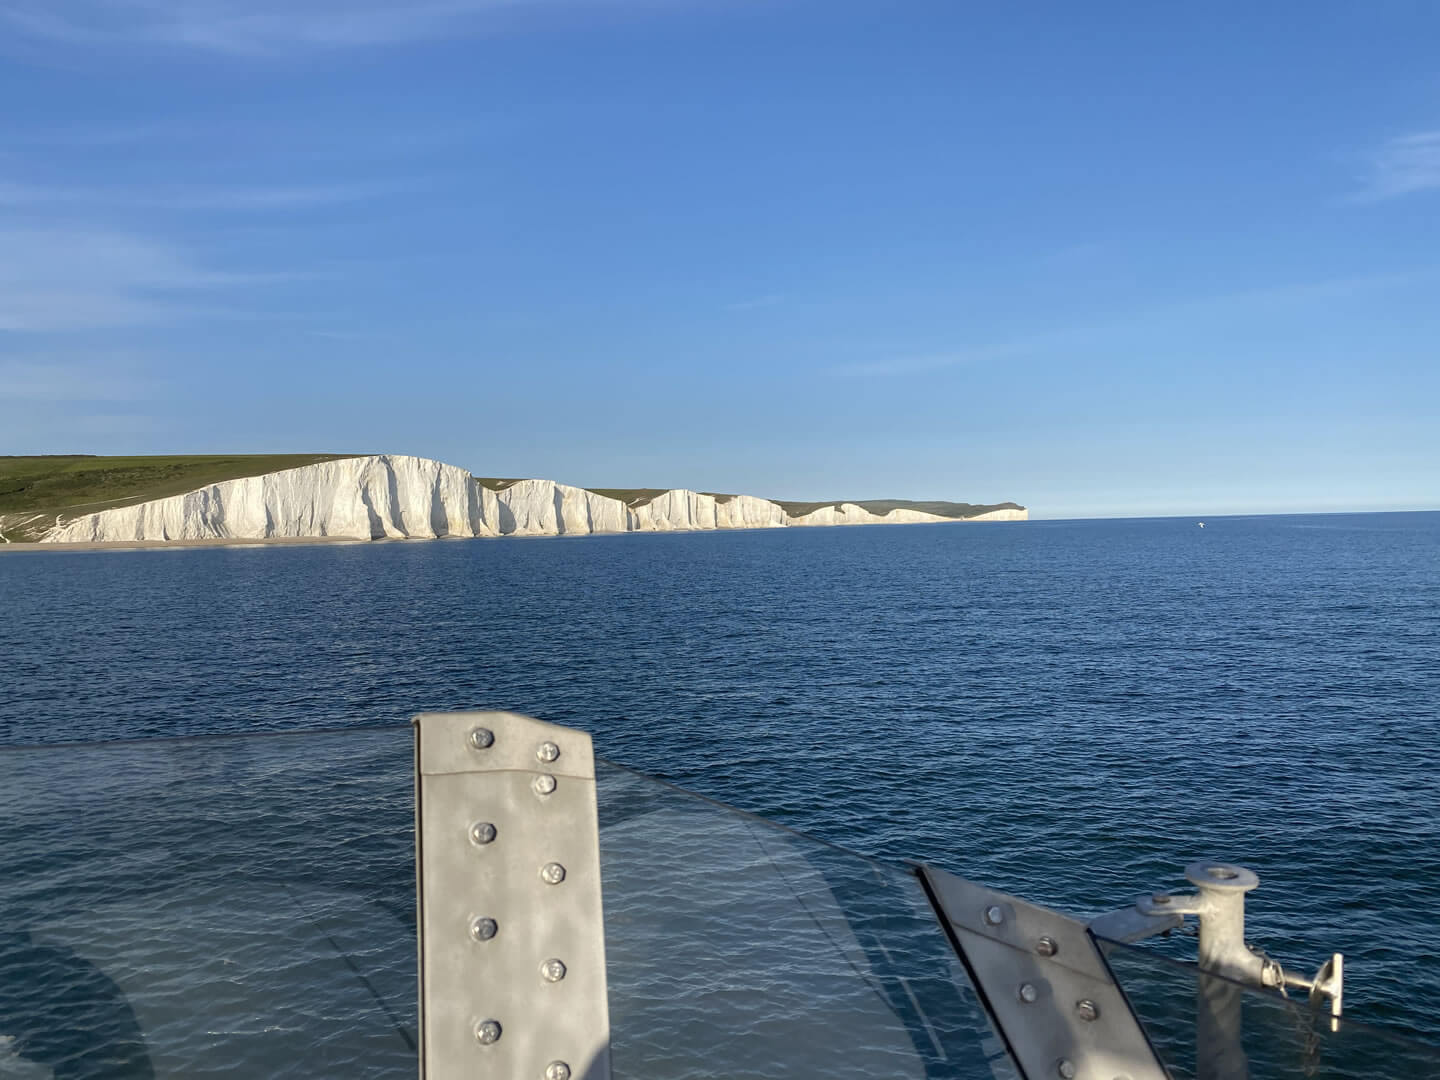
(1065, 710)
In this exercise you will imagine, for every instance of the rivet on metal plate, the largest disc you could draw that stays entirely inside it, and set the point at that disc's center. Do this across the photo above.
(481, 738)
(552, 970)
(557, 1070)
(1065, 1069)
(1087, 1010)
(483, 929)
(552, 873)
(481, 833)
(994, 915)
(487, 1032)
(544, 784)
(1046, 946)
(1028, 994)
(547, 751)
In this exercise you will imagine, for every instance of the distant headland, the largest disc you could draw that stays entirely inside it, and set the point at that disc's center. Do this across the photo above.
(250, 498)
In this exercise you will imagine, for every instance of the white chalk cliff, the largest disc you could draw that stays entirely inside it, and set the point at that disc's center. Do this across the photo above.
(397, 497)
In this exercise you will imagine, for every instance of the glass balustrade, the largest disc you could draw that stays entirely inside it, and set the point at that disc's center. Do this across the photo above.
(1205, 1027)
(245, 906)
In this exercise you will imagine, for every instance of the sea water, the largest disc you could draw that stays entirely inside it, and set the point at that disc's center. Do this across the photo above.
(1069, 711)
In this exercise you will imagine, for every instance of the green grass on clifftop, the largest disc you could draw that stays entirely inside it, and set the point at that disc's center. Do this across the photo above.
(884, 506)
(34, 490)
(631, 497)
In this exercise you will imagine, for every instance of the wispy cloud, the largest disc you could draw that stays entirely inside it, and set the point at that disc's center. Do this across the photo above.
(1198, 311)
(69, 279)
(69, 378)
(255, 27)
(88, 138)
(232, 199)
(768, 300)
(1403, 165)
(338, 335)
(920, 364)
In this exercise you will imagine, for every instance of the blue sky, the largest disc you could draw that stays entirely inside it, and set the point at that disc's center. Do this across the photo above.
(1098, 258)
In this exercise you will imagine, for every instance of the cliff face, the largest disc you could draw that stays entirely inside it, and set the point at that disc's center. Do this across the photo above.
(394, 496)
(850, 514)
(361, 498)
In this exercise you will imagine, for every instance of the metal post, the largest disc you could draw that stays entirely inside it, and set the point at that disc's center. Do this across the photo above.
(511, 939)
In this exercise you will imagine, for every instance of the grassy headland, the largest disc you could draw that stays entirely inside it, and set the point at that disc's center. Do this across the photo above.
(884, 506)
(631, 497)
(35, 490)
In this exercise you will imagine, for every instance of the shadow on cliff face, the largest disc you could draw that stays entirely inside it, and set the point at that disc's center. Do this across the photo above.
(439, 517)
(59, 1011)
(559, 501)
(377, 527)
(505, 517)
(392, 489)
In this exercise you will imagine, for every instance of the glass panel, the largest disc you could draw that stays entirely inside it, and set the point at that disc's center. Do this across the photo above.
(245, 906)
(1207, 1028)
(737, 948)
(209, 907)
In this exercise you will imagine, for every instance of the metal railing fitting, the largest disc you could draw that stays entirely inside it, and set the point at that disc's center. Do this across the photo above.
(510, 929)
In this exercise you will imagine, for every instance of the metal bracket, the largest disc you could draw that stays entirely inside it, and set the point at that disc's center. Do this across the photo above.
(1219, 906)
(1044, 983)
(511, 938)
(1329, 982)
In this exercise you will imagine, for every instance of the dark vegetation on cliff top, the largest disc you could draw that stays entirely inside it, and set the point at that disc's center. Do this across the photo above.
(34, 490)
(884, 506)
(634, 497)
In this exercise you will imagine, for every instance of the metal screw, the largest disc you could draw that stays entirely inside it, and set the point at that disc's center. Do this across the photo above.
(1046, 946)
(552, 970)
(557, 1070)
(487, 1032)
(1087, 1010)
(483, 929)
(1029, 994)
(1065, 1069)
(994, 915)
(482, 738)
(547, 751)
(552, 873)
(482, 832)
(544, 784)
(1161, 898)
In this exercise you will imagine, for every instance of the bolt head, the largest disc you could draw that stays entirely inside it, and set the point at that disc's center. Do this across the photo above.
(1161, 898)
(487, 1032)
(1065, 1069)
(994, 915)
(557, 1070)
(552, 970)
(482, 832)
(544, 784)
(1087, 1010)
(547, 751)
(483, 929)
(481, 738)
(1046, 946)
(1028, 994)
(552, 873)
